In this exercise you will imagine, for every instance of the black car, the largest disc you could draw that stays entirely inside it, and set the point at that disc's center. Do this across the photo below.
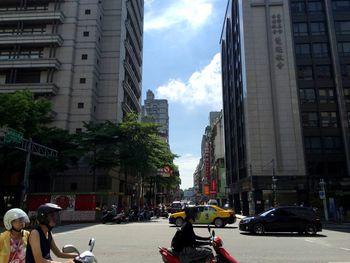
(283, 219)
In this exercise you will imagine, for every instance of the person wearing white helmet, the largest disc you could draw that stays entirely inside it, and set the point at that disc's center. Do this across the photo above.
(13, 241)
(40, 241)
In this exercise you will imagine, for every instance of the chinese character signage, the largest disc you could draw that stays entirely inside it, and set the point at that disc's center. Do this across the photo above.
(277, 31)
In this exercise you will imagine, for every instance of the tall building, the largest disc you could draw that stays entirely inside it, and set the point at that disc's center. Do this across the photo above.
(86, 56)
(156, 110)
(286, 73)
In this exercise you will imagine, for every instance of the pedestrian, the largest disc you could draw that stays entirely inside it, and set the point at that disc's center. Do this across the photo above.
(13, 241)
(40, 241)
(340, 214)
(191, 249)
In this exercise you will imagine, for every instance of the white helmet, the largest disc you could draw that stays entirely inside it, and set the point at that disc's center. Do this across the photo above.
(14, 214)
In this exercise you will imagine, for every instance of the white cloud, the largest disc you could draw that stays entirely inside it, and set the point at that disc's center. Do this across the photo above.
(187, 166)
(193, 13)
(202, 88)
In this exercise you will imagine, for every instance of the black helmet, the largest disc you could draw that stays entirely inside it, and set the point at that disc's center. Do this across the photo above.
(44, 210)
(191, 212)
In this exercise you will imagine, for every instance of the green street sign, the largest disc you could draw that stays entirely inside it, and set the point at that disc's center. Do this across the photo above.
(13, 137)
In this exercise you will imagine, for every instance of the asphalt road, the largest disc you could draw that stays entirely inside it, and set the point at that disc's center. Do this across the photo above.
(138, 243)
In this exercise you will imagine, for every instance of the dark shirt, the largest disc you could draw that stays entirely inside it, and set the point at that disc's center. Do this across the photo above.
(45, 245)
(189, 238)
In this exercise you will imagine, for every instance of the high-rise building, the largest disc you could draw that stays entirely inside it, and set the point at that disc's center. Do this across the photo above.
(86, 56)
(286, 86)
(156, 111)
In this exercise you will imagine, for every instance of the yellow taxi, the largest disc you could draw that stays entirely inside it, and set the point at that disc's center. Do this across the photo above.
(208, 215)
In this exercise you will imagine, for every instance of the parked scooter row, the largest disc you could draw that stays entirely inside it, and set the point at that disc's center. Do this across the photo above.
(131, 216)
(221, 254)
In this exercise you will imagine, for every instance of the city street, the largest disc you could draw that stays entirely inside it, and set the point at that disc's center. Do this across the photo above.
(138, 242)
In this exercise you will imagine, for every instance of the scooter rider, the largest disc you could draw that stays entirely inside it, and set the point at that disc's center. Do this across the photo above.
(13, 240)
(40, 239)
(191, 243)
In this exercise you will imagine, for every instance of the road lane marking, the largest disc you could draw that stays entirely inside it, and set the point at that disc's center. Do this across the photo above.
(344, 248)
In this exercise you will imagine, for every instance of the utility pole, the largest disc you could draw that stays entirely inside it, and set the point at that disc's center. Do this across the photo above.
(324, 198)
(15, 139)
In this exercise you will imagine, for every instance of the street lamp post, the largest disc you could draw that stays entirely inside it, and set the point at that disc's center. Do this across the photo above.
(323, 197)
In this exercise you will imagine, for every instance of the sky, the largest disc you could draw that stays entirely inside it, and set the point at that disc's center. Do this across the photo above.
(181, 63)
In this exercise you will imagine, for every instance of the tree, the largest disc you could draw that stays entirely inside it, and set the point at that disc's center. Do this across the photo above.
(99, 146)
(21, 111)
(142, 151)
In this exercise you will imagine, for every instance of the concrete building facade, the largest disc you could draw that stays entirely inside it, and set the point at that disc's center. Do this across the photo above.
(85, 55)
(272, 152)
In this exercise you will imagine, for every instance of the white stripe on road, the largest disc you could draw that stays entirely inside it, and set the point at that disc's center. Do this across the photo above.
(347, 249)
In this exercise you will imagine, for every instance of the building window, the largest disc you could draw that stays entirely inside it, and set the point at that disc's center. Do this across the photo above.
(315, 6)
(86, 33)
(84, 56)
(307, 96)
(300, 29)
(317, 28)
(320, 50)
(298, 7)
(341, 5)
(326, 95)
(323, 72)
(313, 144)
(80, 105)
(305, 73)
(347, 95)
(344, 49)
(302, 50)
(309, 119)
(332, 144)
(329, 119)
(342, 27)
(87, 11)
(82, 80)
(78, 130)
(345, 70)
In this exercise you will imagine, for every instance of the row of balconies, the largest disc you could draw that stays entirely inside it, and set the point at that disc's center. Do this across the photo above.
(37, 88)
(132, 96)
(31, 39)
(44, 16)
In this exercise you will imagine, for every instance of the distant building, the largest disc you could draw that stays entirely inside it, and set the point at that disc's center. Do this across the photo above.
(156, 111)
(286, 74)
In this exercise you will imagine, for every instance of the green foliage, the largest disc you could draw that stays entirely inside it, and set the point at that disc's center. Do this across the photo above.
(22, 112)
(141, 147)
(99, 144)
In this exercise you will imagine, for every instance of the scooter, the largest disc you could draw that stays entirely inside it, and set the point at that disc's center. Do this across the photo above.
(85, 257)
(222, 255)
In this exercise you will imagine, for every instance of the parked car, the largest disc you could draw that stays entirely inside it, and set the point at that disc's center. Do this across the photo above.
(207, 214)
(213, 202)
(283, 219)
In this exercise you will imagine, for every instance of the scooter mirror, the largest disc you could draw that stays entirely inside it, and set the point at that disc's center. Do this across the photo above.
(70, 249)
(92, 244)
(213, 233)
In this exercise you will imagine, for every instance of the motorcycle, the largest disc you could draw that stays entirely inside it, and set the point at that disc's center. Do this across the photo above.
(118, 218)
(85, 257)
(221, 254)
